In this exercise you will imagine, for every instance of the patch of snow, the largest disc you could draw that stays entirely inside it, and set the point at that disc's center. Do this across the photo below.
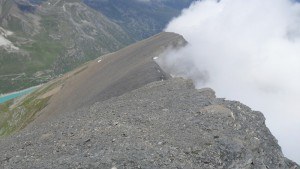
(155, 58)
(99, 60)
(5, 42)
(4, 32)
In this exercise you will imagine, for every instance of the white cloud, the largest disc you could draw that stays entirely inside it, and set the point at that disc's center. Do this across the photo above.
(247, 51)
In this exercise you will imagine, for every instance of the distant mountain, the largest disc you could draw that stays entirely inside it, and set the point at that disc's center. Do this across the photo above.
(140, 18)
(41, 39)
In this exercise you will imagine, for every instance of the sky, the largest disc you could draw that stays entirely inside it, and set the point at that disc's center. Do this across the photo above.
(247, 51)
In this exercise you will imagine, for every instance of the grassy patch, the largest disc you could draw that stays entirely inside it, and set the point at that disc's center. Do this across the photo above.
(15, 117)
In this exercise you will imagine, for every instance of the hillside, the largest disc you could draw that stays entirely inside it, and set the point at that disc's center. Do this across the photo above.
(123, 111)
(52, 38)
(140, 18)
(98, 80)
(166, 124)
(41, 39)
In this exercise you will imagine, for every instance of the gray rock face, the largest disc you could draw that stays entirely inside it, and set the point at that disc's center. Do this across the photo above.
(165, 124)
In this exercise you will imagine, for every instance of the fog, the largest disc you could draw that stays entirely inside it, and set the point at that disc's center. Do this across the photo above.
(247, 51)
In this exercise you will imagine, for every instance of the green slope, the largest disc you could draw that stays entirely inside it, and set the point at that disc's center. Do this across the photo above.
(53, 37)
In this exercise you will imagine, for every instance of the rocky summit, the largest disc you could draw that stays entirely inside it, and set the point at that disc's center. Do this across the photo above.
(123, 111)
(165, 124)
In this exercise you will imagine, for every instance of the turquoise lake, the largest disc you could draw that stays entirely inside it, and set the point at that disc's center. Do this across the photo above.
(9, 96)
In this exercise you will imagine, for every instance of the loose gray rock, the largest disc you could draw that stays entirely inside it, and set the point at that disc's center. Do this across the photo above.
(165, 124)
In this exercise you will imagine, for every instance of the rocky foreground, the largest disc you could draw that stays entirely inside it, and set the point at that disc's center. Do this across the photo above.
(165, 124)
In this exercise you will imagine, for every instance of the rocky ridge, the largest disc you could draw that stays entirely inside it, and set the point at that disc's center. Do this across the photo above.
(51, 37)
(98, 80)
(123, 111)
(165, 124)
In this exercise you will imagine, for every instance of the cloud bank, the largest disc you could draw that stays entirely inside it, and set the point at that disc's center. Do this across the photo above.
(247, 51)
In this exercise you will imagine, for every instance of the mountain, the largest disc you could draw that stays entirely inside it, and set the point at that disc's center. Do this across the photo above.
(98, 80)
(140, 18)
(123, 111)
(41, 39)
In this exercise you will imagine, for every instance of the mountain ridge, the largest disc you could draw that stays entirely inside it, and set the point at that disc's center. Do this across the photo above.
(108, 76)
(51, 37)
(126, 112)
(164, 124)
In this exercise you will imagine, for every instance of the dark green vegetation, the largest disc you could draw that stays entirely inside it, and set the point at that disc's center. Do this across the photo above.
(51, 37)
